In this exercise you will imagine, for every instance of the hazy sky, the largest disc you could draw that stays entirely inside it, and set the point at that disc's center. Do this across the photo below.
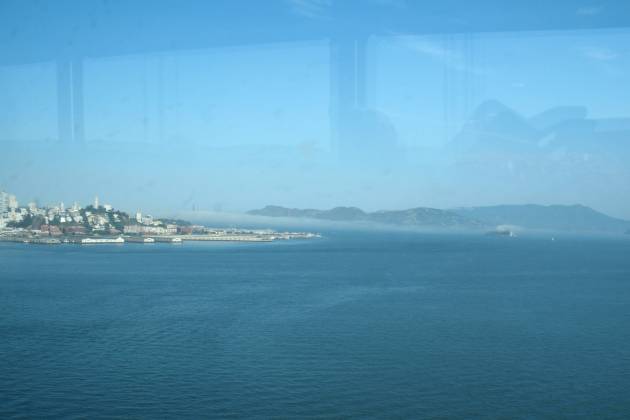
(241, 126)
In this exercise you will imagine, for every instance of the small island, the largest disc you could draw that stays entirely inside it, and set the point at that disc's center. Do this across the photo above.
(102, 224)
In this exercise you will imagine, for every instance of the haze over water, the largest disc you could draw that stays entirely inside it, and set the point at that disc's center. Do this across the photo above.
(354, 325)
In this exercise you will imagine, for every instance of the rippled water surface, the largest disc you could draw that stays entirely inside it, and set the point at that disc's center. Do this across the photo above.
(353, 325)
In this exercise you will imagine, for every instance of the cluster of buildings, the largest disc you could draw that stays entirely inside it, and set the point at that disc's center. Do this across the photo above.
(9, 209)
(146, 225)
(101, 224)
(55, 219)
(58, 220)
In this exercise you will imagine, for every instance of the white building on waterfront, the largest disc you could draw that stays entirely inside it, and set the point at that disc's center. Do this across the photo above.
(119, 240)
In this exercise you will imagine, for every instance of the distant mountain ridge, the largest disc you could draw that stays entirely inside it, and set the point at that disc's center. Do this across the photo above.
(421, 216)
(568, 218)
(574, 218)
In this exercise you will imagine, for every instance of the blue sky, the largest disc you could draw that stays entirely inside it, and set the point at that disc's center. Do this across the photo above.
(248, 125)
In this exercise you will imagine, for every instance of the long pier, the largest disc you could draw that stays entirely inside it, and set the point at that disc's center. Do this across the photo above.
(226, 238)
(209, 236)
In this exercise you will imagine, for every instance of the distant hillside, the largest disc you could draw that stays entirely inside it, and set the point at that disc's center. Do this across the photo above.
(574, 218)
(421, 216)
(338, 213)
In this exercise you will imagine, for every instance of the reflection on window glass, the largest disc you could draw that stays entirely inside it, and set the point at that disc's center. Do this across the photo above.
(314, 209)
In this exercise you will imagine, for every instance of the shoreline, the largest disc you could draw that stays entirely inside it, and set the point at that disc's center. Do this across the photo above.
(172, 239)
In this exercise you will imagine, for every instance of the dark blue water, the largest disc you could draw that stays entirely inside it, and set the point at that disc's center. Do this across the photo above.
(354, 325)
